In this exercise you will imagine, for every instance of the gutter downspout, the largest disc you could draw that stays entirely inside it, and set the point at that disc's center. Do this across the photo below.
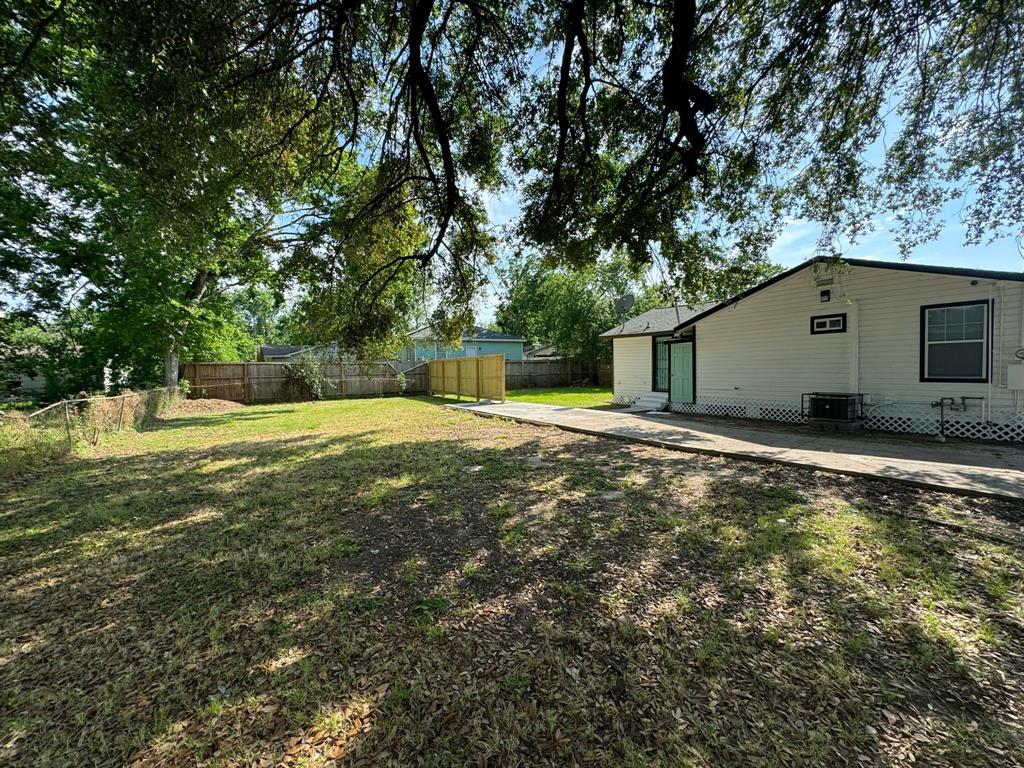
(987, 409)
(1018, 400)
(1002, 330)
(853, 319)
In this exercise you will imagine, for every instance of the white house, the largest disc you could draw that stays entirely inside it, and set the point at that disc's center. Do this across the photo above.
(926, 348)
(641, 373)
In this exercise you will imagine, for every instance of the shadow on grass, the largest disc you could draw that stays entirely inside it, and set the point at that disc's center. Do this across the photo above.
(216, 420)
(484, 592)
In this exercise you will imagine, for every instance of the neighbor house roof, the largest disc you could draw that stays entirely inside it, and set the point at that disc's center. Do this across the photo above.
(542, 350)
(280, 350)
(659, 320)
(983, 274)
(479, 334)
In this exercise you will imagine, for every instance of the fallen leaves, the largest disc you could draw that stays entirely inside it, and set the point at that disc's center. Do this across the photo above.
(240, 597)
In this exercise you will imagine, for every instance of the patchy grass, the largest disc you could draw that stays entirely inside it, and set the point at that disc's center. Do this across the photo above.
(24, 447)
(576, 397)
(327, 583)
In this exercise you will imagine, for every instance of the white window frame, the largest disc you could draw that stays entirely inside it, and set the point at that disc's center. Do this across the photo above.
(986, 341)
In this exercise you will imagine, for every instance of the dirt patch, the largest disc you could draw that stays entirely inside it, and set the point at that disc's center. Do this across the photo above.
(195, 407)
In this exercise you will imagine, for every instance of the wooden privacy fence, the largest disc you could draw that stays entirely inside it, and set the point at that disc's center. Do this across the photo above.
(523, 374)
(558, 372)
(481, 377)
(269, 382)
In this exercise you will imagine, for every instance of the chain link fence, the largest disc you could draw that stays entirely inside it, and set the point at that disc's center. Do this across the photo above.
(55, 431)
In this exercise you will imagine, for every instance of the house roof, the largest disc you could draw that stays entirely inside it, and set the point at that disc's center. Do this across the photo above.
(479, 334)
(983, 274)
(280, 350)
(542, 350)
(658, 320)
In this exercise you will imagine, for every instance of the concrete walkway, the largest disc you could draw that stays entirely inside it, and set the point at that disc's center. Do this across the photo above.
(966, 468)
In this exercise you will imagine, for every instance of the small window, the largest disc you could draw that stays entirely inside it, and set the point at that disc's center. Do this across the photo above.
(661, 363)
(955, 341)
(829, 324)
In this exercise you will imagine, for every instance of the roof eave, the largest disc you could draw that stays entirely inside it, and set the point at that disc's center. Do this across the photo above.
(664, 332)
(924, 268)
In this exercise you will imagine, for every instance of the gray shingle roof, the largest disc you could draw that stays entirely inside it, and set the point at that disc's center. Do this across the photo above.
(278, 350)
(659, 320)
(478, 334)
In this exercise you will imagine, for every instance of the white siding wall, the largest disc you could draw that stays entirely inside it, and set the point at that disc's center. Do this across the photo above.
(761, 349)
(631, 368)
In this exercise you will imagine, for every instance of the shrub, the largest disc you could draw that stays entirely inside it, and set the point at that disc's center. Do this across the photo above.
(309, 375)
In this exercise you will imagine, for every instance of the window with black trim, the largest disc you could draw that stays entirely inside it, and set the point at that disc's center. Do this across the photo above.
(828, 323)
(660, 354)
(955, 341)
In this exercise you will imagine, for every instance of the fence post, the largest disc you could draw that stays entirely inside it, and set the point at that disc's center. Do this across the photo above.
(67, 420)
(120, 415)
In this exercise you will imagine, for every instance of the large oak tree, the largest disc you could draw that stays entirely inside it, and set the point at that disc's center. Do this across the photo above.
(676, 130)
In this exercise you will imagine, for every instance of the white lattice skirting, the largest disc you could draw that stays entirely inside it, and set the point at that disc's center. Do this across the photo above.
(626, 397)
(914, 418)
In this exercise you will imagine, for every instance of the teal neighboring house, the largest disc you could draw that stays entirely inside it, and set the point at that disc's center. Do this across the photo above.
(480, 341)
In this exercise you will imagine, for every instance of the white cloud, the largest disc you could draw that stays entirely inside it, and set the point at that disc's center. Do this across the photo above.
(796, 243)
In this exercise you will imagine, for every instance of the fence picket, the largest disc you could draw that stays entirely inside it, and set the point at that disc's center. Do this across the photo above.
(481, 377)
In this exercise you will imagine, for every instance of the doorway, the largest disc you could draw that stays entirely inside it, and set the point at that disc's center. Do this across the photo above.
(682, 373)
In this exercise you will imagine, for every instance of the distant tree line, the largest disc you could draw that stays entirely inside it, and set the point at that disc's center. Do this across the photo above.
(569, 308)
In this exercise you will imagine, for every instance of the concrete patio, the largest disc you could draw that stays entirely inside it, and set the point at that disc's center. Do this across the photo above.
(957, 467)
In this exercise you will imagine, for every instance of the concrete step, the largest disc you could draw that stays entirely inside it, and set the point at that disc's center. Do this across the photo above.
(652, 401)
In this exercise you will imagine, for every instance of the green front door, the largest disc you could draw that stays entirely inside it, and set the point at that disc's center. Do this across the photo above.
(681, 356)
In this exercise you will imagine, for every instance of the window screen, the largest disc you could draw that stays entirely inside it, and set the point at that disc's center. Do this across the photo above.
(955, 341)
(661, 364)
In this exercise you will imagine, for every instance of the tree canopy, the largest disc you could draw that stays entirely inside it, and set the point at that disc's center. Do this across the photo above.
(568, 308)
(153, 154)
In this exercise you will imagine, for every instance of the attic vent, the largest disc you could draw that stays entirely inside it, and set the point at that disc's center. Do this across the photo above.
(820, 281)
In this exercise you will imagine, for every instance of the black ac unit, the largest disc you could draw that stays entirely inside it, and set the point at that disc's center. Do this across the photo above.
(833, 406)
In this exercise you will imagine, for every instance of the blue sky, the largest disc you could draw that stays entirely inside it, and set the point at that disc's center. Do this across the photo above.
(798, 239)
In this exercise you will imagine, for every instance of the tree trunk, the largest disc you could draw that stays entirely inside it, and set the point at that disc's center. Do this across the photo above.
(192, 296)
(170, 366)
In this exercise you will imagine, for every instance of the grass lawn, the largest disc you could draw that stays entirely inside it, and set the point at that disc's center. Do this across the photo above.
(576, 397)
(387, 582)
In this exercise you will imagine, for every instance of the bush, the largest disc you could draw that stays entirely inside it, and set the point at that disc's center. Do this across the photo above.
(308, 375)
